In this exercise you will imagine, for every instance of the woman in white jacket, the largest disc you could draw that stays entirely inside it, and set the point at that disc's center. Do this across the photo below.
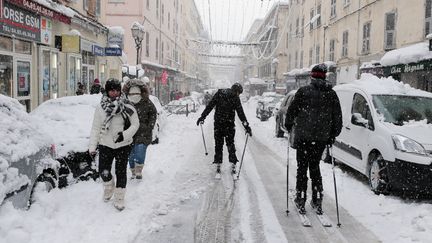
(115, 123)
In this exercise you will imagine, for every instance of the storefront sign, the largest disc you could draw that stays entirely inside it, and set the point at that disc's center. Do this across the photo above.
(85, 25)
(409, 68)
(71, 43)
(19, 22)
(115, 38)
(113, 51)
(46, 28)
(98, 51)
(86, 45)
(41, 10)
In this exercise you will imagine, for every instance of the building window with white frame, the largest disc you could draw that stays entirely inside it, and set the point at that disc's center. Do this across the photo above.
(428, 17)
(297, 27)
(296, 59)
(332, 50)
(347, 2)
(301, 59)
(310, 56)
(302, 27)
(317, 54)
(366, 38)
(157, 8)
(345, 44)
(390, 31)
(333, 9)
(318, 12)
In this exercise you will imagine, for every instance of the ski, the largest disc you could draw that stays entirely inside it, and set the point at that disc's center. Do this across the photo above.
(324, 220)
(303, 217)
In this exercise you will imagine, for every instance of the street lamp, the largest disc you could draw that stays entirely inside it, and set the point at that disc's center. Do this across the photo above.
(138, 35)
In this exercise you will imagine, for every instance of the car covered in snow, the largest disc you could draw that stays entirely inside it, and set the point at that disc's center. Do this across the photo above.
(183, 105)
(267, 104)
(26, 155)
(160, 119)
(281, 112)
(386, 134)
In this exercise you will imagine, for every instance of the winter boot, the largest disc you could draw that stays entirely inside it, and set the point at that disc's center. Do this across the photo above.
(218, 170)
(133, 173)
(108, 190)
(138, 171)
(233, 168)
(300, 201)
(316, 201)
(119, 195)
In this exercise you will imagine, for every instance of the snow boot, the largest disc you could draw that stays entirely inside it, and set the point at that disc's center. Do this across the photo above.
(108, 190)
(138, 171)
(119, 195)
(300, 201)
(133, 173)
(316, 201)
(233, 168)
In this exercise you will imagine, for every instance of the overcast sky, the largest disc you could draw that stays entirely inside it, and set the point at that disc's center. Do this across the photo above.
(231, 19)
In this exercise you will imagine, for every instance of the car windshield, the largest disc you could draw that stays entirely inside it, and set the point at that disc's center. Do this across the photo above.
(399, 109)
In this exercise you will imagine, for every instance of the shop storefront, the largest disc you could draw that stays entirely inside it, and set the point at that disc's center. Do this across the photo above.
(417, 75)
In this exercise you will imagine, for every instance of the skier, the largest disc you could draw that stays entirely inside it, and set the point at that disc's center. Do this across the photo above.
(138, 93)
(316, 120)
(115, 123)
(227, 102)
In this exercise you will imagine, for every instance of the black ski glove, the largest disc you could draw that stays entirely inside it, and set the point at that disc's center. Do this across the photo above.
(200, 121)
(247, 128)
(331, 141)
(120, 138)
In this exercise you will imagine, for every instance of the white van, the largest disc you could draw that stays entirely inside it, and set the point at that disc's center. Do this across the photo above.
(386, 134)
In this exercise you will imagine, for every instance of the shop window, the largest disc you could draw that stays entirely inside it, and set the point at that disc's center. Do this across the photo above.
(366, 38)
(22, 47)
(6, 72)
(54, 75)
(46, 94)
(6, 43)
(23, 78)
(333, 8)
(428, 17)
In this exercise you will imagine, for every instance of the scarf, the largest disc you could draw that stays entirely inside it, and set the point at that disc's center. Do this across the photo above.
(114, 107)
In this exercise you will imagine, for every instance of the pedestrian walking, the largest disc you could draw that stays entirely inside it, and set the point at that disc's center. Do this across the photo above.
(226, 103)
(115, 123)
(314, 119)
(80, 89)
(96, 87)
(138, 93)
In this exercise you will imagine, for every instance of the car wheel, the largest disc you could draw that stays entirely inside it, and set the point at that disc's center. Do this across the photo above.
(278, 130)
(378, 178)
(45, 182)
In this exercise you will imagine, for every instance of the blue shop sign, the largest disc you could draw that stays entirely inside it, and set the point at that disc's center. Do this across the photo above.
(98, 51)
(113, 51)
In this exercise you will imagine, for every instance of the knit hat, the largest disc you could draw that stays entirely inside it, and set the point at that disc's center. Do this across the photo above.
(319, 71)
(96, 81)
(112, 84)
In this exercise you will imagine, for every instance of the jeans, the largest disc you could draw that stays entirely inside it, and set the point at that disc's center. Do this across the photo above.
(137, 155)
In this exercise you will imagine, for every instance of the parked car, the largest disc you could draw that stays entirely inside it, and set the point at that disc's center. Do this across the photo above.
(267, 104)
(26, 155)
(182, 105)
(281, 112)
(386, 134)
(68, 120)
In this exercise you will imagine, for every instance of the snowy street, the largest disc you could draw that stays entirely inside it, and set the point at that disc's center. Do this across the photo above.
(179, 200)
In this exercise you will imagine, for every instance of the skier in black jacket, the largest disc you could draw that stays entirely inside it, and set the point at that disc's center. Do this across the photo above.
(315, 117)
(227, 102)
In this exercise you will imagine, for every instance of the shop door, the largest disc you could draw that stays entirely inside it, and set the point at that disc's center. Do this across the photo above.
(23, 82)
(48, 74)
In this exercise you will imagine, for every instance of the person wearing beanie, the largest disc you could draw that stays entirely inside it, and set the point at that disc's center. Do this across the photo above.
(115, 123)
(96, 87)
(138, 93)
(314, 119)
(226, 103)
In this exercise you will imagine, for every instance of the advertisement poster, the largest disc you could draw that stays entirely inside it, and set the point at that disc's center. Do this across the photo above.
(46, 28)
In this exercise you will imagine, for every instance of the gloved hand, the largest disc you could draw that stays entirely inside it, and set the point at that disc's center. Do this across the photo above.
(92, 154)
(331, 141)
(248, 130)
(120, 138)
(200, 121)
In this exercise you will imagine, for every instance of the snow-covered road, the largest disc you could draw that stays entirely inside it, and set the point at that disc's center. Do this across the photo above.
(179, 201)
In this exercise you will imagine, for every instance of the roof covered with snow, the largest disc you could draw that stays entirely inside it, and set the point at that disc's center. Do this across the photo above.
(371, 84)
(408, 54)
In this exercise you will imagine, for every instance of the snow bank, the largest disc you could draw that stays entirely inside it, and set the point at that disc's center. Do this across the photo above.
(409, 54)
(68, 121)
(374, 85)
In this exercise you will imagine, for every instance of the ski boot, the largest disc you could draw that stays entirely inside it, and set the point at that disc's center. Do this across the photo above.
(218, 168)
(316, 202)
(233, 168)
(300, 201)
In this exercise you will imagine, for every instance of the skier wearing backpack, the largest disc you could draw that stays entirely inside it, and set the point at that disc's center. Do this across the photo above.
(315, 117)
(226, 103)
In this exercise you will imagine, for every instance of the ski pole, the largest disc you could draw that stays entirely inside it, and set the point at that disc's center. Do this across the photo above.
(335, 188)
(241, 162)
(205, 147)
(287, 178)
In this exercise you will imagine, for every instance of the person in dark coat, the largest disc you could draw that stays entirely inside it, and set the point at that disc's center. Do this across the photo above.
(96, 87)
(81, 89)
(138, 93)
(226, 103)
(314, 119)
